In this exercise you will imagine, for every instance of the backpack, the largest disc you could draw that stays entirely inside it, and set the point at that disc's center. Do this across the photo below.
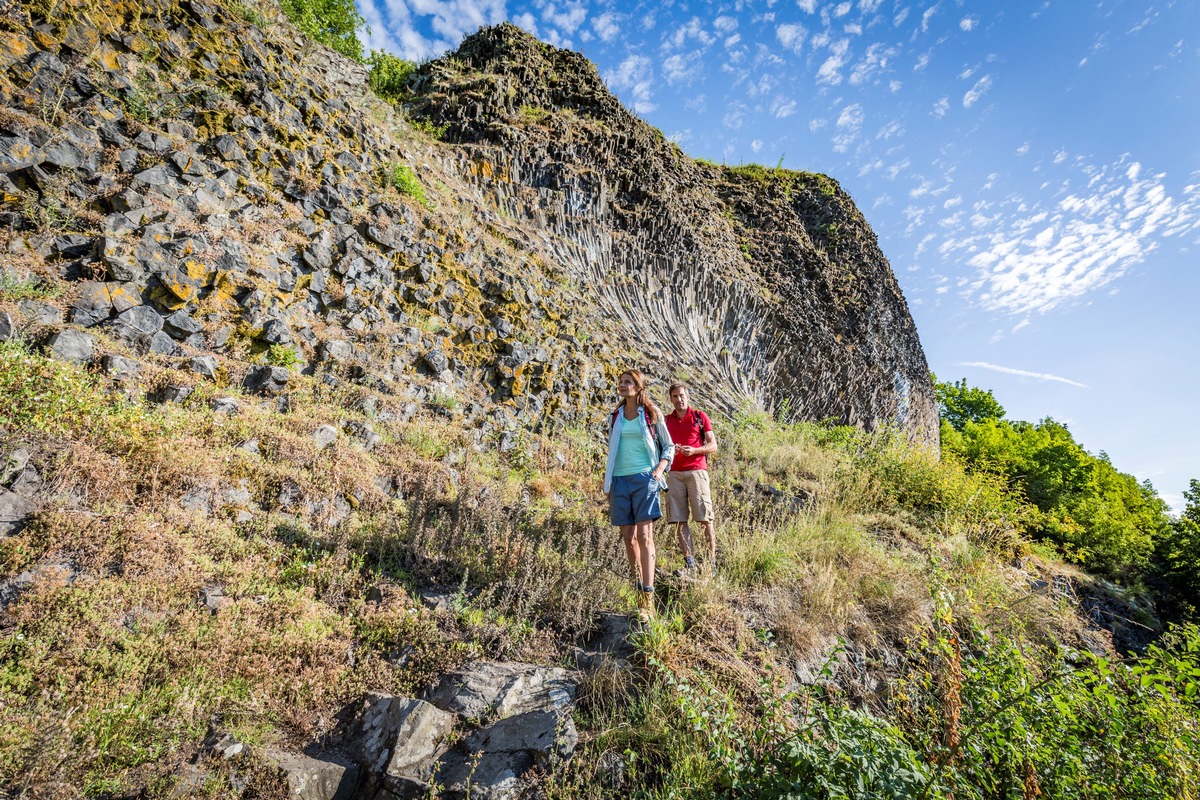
(653, 428)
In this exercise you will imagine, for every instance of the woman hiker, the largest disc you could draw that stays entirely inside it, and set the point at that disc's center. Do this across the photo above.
(639, 452)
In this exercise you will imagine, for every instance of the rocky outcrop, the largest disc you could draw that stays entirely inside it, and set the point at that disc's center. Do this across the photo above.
(207, 187)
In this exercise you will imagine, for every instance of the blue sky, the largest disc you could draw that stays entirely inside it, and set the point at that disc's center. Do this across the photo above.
(1032, 170)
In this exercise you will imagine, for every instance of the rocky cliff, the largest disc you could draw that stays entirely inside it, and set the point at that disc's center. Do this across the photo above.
(200, 184)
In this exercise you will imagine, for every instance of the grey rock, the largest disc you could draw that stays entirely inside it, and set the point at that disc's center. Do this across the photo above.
(276, 331)
(436, 361)
(73, 346)
(228, 149)
(363, 434)
(36, 313)
(204, 365)
(120, 368)
(163, 344)
(180, 325)
(316, 779)
(335, 350)
(142, 319)
(15, 511)
(73, 245)
(399, 736)
(13, 465)
(8, 331)
(27, 482)
(494, 689)
(172, 394)
(546, 735)
(267, 380)
(17, 153)
(325, 436)
(226, 405)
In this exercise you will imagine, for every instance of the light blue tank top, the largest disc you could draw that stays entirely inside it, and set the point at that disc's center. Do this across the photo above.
(633, 457)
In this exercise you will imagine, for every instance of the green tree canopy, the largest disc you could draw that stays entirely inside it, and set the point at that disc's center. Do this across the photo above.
(959, 403)
(1094, 514)
(331, 22)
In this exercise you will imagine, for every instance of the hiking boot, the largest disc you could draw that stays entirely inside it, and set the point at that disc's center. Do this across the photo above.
(646, 605)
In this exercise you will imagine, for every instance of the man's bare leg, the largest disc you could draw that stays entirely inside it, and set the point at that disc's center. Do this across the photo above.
(684, 535)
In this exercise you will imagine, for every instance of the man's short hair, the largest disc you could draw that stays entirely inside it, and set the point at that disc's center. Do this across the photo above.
(675, 386)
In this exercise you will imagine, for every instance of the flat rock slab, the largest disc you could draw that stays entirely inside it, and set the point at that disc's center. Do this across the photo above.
(495, 690)
(316, 779)
(400, 737)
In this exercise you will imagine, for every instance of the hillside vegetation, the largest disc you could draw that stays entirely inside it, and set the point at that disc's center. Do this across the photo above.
(875, 627)
(300, 393)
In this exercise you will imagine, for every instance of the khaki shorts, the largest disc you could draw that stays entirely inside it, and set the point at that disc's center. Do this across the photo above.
(688, 491)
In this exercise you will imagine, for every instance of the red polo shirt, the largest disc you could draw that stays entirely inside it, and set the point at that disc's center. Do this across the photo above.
(690, 431)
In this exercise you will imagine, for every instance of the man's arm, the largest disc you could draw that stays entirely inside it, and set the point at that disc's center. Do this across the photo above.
(709, 446)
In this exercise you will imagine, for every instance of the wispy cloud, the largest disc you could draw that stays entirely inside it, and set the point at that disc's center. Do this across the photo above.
(791, 36)
(630, 77)
(1023, 373)
(606, 26)
(977, 91)
(1029, 258)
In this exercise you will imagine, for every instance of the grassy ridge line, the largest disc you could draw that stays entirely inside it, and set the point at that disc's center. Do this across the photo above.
(111, 667)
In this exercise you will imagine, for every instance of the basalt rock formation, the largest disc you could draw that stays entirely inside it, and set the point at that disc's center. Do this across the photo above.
(203, 185)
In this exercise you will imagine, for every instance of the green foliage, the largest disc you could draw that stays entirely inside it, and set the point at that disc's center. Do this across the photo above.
(1096, 515)
(998, 719)
(532, 115)
(15, 287)
(249, 13)
(429, 129)
(404, 180)
(334, 23)
(959, 403)
(1177, 556)
(282, 355)
(389, 75)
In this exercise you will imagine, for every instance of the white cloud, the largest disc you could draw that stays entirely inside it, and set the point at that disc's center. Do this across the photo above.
(968, 23)
(756, 145)
(894, 86)
(791, 36)
(606, 26)
(1023, 373)
(922, 62)
(817, 124)
(830, 71)
(849, 123)
(1020, 325)
(874, 62)
(953, 202)
(693, 30)
(941, 107)
(681, 67)
(900, 16)
(977, 91)
(568, 19)
(926, 17)
(631, 77)
(1029, 259)
(1023, 149)
(725, 24)
(783, 108)
(807, 6)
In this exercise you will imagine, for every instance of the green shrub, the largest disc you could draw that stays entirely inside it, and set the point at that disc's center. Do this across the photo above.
(389, 75)
(282, 355)
(334, 23)
(404, 180)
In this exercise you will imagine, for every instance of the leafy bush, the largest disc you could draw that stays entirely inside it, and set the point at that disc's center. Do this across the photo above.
(334, 23)
(389, 75)
(404, 180)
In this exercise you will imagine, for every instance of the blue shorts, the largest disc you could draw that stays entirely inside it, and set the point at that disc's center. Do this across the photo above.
(634, 499)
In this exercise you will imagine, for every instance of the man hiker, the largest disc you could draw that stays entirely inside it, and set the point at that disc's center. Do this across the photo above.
(687, 482)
